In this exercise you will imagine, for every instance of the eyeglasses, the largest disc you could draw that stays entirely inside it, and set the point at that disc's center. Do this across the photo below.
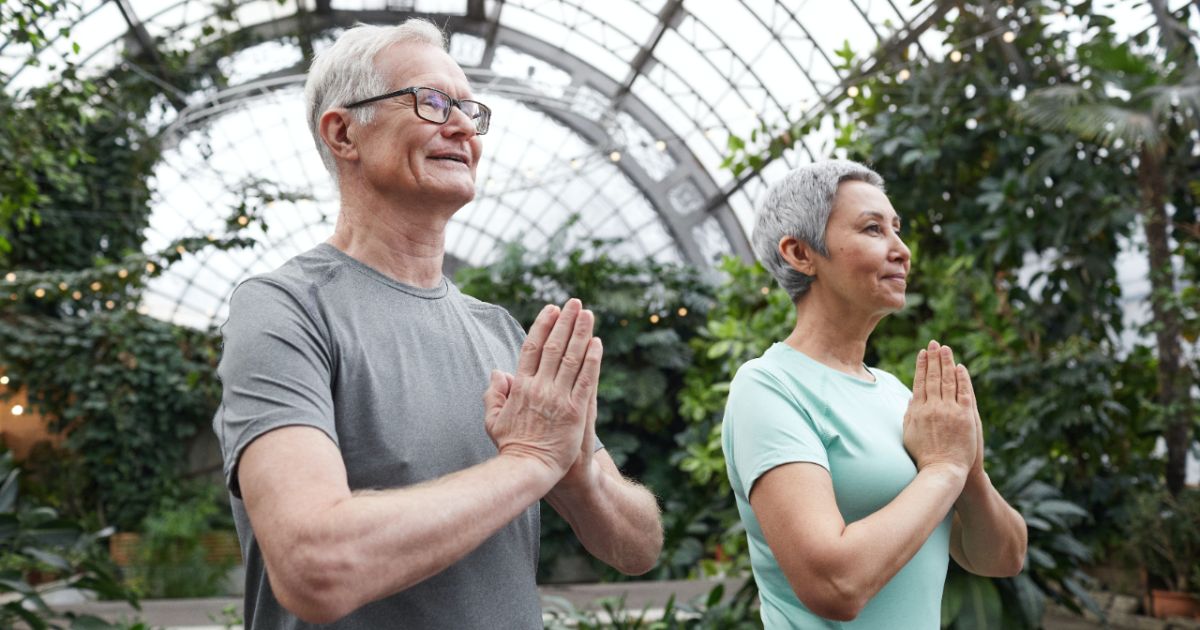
(434, 105)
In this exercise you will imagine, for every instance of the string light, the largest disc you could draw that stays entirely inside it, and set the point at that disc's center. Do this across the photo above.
(654, 318)
(124, 273)
(11, 277)
(575, 164)
(110, 305)
(17, 410)
(624, 322)
(62, 286)
(661, 145)
(682, 311)
(39, 294)
(181, 249)
(1008, 37)
(956, 56)
(903, 75)
(852, 91)
(615, 156)
(211, 238)
(242, 220)
(765, 290)
(96, 285)
(150, 267)
(77, 295)
(3, 380)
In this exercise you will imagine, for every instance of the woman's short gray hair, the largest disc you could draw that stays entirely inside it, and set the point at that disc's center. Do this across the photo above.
(799, 205)
(346, 72)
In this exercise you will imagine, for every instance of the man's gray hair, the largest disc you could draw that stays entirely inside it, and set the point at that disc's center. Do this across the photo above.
(346, 72)
(799, 205)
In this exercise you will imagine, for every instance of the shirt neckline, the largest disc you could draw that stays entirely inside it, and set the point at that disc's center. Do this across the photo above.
(431, 293)
(784, 348)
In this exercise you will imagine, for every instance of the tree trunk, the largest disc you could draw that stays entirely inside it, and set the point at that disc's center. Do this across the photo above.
(1173, 389)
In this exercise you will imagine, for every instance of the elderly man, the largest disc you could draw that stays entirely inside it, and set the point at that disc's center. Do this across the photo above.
(387, 439)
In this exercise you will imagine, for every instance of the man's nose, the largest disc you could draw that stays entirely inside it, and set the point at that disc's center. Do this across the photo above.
(459, 122)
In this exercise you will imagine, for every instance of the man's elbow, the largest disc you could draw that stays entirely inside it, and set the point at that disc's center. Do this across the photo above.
(315, 586)
(639, 561)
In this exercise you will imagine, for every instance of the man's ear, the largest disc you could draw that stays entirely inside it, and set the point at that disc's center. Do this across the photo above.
(798, 255)
(334, 127)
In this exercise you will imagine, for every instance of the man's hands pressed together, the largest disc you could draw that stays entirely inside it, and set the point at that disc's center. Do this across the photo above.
(547, 411)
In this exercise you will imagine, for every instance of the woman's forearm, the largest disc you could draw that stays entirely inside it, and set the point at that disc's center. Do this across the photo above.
(878, 546)
(837, 578)
(992, 538)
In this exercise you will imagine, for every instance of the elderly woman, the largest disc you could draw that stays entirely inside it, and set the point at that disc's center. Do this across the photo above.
(853, 490)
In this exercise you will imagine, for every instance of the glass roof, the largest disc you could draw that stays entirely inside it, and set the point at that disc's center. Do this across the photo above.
(611, 119)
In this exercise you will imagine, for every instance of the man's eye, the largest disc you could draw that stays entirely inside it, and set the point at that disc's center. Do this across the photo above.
(435, 100)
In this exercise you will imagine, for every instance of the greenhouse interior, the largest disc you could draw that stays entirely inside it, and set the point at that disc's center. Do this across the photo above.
(1043, 155)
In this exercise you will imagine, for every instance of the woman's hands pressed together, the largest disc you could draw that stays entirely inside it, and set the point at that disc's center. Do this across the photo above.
(941, 426)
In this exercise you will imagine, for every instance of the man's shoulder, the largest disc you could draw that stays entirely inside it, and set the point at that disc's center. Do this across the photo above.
(487, 312)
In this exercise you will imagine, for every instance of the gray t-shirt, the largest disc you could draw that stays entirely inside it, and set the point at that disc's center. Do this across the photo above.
(395, 376)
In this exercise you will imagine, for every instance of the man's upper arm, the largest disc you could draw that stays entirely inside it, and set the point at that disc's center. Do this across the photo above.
(276, 371)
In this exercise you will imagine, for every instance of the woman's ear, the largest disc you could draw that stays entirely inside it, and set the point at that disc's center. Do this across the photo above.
(798, 255)
(334, 127)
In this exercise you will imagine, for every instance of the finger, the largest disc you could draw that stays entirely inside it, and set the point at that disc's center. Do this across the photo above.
(949, 386)
(962, 379)
(496, 393)
(572, 359)
(965, 387)
(589, 375)
(933, 345)
(933, 376)
(531, 350)
(918, 387)
(556, 343)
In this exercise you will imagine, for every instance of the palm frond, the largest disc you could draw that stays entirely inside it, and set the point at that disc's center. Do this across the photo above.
(1084, 114)
(1184, 98)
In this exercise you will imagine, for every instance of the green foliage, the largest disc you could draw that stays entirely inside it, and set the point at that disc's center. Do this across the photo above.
(172, 559)
(749, 314)
(646, 313)
(708, 612)
(128, 389)
(34, 538)
(1163, 536)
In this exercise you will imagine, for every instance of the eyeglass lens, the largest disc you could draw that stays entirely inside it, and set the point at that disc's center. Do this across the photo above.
(434, 106)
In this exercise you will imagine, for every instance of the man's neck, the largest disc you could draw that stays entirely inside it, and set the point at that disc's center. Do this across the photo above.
(832, 333)
(404, 244)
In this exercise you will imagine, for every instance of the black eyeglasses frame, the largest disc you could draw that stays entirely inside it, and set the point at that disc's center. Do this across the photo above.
(481, 128)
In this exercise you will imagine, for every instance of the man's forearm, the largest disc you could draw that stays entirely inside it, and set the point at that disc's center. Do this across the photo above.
(616, 520)
(993, 536)
(371, 544)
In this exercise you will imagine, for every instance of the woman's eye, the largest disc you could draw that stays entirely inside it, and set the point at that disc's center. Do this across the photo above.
(873, 228)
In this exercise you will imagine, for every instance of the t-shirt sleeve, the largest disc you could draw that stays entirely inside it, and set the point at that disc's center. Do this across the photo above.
(275, 370)
(768, 427)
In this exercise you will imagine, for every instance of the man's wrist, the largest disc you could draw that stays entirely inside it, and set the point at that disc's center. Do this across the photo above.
(580, 483)
(540, 472)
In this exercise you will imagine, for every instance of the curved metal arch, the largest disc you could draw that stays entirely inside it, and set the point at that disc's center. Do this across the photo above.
(680, 225)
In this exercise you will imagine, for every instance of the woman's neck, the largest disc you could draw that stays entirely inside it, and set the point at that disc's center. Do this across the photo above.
(836, 337)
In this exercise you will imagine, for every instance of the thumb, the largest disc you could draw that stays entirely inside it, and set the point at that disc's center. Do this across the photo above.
(496, 394)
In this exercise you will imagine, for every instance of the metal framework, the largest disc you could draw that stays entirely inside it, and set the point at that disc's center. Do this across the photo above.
(625, 109)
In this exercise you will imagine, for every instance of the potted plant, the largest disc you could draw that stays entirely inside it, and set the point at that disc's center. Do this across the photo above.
(1164, 537)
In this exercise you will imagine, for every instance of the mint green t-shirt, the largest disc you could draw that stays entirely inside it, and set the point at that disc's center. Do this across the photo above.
(785, 407)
